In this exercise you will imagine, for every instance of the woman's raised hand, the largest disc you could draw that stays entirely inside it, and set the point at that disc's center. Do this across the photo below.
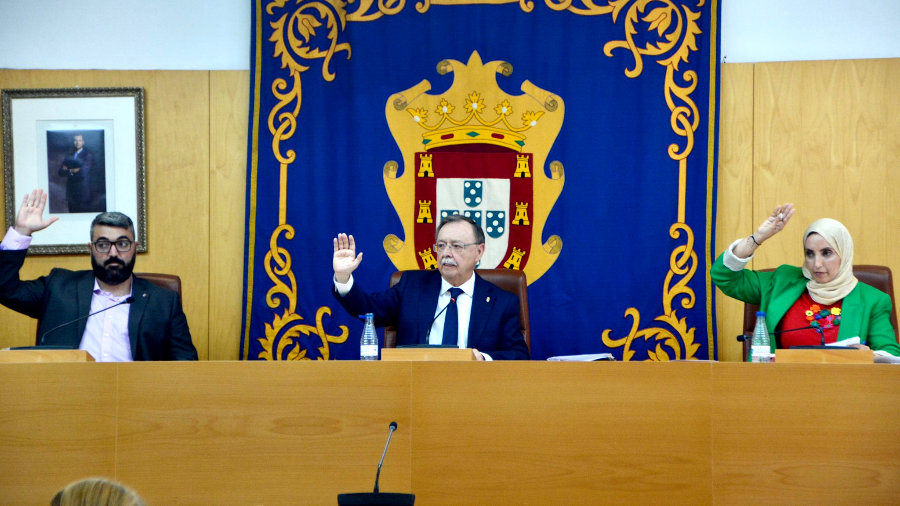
(775, 222)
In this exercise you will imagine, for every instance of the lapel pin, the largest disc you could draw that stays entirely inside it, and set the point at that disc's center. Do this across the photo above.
(487, 299)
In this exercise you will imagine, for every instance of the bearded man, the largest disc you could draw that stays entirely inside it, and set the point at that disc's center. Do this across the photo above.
(135, 319)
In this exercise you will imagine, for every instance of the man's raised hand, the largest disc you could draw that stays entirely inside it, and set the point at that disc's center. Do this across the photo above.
(30, 218)
(345, 259)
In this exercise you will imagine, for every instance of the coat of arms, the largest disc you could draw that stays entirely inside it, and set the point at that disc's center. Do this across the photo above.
(478, 151)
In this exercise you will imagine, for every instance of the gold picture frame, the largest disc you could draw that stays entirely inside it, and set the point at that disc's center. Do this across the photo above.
(41, 130)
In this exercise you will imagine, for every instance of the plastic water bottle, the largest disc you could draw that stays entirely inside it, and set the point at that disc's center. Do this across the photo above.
(368, 344)
(760, 351)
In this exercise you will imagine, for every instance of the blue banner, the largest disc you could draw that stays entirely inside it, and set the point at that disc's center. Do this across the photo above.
(581, 136)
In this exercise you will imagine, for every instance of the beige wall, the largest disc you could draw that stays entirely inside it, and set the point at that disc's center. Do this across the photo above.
(824, 135)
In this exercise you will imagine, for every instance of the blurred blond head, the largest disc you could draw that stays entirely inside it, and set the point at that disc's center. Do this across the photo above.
(96, 492)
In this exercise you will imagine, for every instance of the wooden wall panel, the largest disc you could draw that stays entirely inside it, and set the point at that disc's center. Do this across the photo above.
(178, 189)
(735, 189)
(229, 95)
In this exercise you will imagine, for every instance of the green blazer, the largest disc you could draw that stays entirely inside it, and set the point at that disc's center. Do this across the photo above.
(865, 311)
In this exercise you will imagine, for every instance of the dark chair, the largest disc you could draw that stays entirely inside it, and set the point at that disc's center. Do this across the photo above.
(512, 281)
(878, 276)
(167, 281)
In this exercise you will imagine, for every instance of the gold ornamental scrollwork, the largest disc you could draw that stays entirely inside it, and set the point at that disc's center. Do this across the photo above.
(675, 28)
(675, 39)
(423, 6)
(291, 34)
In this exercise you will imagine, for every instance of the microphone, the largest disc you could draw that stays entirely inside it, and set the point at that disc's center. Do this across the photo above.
(393, 427)
(745, 337)
(377, 498)
(818, 330)
(129, 300)
(814, 327)
(428, 333)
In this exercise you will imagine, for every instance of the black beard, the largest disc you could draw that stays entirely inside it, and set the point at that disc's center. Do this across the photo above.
(114, 271)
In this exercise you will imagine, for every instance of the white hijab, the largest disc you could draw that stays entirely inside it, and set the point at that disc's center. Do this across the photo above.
(838, 237)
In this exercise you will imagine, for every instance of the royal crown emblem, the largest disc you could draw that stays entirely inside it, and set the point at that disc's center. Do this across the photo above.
(478, 151)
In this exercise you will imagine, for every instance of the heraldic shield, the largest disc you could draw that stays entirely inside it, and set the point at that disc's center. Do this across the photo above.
(478, 151)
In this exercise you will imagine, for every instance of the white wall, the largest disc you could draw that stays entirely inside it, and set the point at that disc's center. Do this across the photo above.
(215, 34)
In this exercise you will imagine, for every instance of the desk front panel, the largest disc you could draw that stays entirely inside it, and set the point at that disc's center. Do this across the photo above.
(57, 424)
(477, 433)
(561, 433)
(813, 433)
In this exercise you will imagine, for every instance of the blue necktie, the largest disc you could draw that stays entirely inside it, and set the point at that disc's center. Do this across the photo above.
(451, 319)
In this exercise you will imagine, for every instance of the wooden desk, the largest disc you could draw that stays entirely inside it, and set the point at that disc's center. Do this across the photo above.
(428, 354)
(826, 356)
(469, 432)
(44, 355)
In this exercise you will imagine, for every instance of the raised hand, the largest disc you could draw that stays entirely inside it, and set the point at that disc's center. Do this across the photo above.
(30, 218)
(345, 259)
(775, 222)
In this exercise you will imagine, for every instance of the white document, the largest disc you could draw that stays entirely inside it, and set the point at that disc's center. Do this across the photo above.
(845, 342)
(591, 357)
(883, 357)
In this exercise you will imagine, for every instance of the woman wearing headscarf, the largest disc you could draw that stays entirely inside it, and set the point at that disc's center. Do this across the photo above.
(823, 295)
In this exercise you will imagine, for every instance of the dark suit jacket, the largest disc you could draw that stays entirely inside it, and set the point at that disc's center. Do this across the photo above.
(78, 185)
(410, 304)
(156, 323)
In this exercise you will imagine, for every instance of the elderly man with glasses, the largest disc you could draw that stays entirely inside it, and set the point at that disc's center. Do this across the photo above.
(112, 314)
(451, 306)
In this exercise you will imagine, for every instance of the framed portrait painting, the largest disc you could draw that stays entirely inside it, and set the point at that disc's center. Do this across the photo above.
(85, 148)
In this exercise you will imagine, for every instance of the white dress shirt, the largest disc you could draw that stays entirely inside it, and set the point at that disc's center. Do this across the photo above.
(464, 310)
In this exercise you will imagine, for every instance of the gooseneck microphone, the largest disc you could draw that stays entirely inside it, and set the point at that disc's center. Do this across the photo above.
(393, 427)
(428, 332)
(377, 498)
(818, 330)
(129, 300)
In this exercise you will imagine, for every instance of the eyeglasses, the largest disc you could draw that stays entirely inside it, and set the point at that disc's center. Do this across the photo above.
(122, 245)
(457, 247)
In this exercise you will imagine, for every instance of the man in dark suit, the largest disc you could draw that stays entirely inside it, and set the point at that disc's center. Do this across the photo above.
(77, 168)
(138, 320)
(451, 306)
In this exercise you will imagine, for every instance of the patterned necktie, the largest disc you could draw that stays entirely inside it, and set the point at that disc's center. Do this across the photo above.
(451, 319)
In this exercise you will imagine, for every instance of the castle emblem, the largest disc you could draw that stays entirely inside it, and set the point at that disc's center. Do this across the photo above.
(478, 151)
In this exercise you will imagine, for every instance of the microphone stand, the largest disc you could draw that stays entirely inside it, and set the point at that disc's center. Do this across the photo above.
(428, 332)
(129, 300)
(777, 334)
(375, 497)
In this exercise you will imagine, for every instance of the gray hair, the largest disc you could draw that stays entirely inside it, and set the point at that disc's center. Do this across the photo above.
(112, 219)
(454, 218)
